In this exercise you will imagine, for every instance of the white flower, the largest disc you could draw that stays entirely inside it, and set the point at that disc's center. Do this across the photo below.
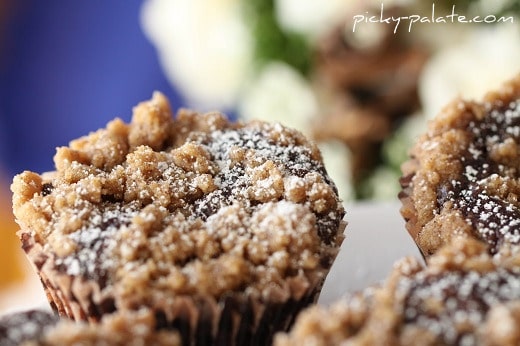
(495, 6)
(486, 57)
(280, 93)
(311, 17)
(204, 47)
(336, 158)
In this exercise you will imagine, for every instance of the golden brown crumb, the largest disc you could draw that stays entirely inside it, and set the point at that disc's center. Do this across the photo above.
(462, 178)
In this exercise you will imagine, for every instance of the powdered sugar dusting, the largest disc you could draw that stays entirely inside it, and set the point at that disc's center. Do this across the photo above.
(448, 303)
(95, 243)
(235, 184)
(487, 169)
(19, 327)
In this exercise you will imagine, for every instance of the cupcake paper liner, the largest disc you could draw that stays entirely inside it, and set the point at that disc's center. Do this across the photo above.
(237, 318)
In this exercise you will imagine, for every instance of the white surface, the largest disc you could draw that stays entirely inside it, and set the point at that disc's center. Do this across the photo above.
(375, 239)
(23, 296)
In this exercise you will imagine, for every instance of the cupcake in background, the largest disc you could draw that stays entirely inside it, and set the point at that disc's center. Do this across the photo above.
(465, 61)
(367, 79)
(461, 179)
(475, 62)
(463, 297)
(19, 327)
(43, 328)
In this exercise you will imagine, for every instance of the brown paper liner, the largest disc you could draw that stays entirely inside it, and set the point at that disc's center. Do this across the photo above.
(234, 319)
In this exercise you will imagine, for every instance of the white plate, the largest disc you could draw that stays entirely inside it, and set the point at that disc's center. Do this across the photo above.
(23, 296)
(375, 239)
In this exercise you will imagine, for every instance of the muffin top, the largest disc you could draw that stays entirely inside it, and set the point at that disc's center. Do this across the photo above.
(463, 178)
(194, 204)
(464, 297)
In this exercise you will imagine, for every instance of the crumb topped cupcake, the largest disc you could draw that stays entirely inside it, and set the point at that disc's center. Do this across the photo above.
(463, 177)
(225, 230)
(464, 297)
(43, 328)
(21, 326)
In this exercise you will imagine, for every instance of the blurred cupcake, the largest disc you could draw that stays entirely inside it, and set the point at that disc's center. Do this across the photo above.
(22, 326)
(463, 297)
(42, 328)
(224, 230)
(462, 178)
(367, 81)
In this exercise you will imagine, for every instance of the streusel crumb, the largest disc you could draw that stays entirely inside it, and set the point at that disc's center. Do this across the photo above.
(463, 175)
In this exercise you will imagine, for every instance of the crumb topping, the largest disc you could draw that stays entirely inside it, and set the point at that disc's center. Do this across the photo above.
(465, 296)
(489, 162)
(191, 204)
(463, 175)
(452, 305)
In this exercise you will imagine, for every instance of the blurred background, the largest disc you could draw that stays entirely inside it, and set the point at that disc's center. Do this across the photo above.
(362, 92)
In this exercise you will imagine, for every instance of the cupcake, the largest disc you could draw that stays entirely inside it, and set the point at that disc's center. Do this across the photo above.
(44, 328)
(224, 230)
(464, 297)
(367, 85)
(126, 329)
(19, 327)
(462, 178)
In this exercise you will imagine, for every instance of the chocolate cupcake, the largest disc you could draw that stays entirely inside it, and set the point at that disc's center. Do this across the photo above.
(463, 175)
(44, 328)
(367, 88)
(22, 326)
(225, 230)
(464, 297)
(126, 329)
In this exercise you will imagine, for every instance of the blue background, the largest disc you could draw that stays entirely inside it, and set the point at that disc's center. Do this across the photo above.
(66, 69)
